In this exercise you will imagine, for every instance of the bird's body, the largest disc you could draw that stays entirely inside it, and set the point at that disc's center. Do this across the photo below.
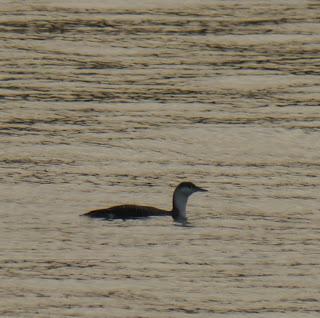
(128, 211)
(178, 212)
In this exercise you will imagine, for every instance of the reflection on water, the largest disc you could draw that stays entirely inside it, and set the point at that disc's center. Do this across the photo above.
(105, 103)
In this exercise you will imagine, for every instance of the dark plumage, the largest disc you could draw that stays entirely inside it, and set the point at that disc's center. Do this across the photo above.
(127, 212)
(178, 212)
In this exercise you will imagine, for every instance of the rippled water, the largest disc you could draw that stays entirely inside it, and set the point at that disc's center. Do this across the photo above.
(116, 102)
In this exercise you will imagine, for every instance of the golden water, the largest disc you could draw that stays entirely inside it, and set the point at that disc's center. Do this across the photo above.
(108, 102)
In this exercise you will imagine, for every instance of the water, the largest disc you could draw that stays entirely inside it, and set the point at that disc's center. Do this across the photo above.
(116, 102)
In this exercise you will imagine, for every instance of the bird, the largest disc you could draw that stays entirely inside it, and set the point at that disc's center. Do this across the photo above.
(124, 212)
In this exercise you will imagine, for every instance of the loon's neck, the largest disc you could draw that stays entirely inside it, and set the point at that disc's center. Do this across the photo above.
(179, 206)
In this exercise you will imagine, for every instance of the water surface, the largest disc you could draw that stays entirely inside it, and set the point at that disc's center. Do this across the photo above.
(113, 102)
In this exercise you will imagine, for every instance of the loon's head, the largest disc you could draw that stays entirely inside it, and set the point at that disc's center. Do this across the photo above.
(188, 188)
(180, 198)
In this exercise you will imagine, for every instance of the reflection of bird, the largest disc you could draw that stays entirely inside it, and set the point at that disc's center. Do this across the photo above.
(178, 212)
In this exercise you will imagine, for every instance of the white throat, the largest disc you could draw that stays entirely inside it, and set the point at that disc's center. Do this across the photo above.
(180, 204)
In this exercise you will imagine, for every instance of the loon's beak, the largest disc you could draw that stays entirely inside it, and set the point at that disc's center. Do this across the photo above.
(198, 189)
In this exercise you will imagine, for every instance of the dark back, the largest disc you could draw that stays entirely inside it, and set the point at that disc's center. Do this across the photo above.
(127, 212)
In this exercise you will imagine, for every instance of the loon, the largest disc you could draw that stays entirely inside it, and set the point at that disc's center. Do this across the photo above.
(178, 212)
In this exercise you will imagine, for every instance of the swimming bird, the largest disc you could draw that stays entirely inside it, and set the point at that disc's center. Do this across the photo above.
(178, 212)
